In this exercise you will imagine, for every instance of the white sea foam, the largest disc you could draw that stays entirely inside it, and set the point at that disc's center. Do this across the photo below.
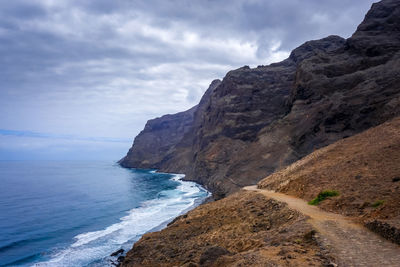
(88, 247)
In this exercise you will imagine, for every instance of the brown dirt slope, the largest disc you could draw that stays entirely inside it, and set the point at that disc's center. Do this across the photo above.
(244, 229)
(350, 243)
(365, 169)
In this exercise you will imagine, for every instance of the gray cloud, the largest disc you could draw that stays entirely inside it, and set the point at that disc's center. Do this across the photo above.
(102, 68)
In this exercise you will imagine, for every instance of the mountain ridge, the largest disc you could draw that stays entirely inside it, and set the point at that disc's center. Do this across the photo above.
(258, 120)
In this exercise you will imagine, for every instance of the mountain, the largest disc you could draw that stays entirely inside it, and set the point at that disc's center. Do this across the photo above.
(324, 122)
(250, 229)
(256, 121)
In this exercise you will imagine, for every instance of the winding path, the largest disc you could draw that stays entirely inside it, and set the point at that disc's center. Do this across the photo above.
(350, 243)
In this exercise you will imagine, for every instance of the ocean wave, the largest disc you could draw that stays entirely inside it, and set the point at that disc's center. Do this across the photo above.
(91, 246)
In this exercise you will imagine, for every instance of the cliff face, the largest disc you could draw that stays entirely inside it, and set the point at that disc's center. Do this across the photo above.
(160, 137)
(258, 120)
(252, 229)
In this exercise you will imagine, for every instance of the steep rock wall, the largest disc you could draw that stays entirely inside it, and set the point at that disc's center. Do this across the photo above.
(258, 120)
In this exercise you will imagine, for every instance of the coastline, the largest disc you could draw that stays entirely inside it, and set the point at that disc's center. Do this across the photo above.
(196, 202)
(151, 201)
(117, 257)
(209, 198)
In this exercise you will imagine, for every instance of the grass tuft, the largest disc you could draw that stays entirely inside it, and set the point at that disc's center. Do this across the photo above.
(378, 203)
(322, 196)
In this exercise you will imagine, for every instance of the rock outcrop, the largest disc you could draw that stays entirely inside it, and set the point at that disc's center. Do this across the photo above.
(258, 120)
(158, 142)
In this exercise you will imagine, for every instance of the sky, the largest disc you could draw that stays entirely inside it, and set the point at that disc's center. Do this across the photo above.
(80, 78)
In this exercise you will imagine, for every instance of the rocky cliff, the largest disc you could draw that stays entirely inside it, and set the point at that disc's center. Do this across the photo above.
(160, 138)
(258, 120)
(253, 229)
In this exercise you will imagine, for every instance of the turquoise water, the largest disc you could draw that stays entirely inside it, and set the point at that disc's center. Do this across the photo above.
(75, 213)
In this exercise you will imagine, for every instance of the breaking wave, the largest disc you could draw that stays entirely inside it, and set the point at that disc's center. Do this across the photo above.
(93, 248)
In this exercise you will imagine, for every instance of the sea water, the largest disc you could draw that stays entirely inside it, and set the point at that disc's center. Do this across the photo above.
(73, 213)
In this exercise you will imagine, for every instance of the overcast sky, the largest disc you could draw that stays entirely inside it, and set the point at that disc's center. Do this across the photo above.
(79, 79)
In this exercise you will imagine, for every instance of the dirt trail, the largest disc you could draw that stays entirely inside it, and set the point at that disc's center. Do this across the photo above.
(350, 243)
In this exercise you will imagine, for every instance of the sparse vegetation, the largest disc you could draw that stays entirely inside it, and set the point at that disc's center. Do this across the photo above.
(378, 203)
(322, 196)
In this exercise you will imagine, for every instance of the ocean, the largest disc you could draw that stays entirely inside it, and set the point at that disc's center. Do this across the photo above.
(76, 213)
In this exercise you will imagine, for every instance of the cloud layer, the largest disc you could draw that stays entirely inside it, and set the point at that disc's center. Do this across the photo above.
(103, 68)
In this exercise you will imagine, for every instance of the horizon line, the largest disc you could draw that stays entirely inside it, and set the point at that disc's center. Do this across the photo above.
(6, 132)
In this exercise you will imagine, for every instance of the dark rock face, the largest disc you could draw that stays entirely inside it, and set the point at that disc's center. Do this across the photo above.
(227, 151)
(116, 253)
(161, 142)
(258, 120)
(157, 140)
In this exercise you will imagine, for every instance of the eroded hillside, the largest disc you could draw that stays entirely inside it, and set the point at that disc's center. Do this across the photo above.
(364, 169)
(245, 229)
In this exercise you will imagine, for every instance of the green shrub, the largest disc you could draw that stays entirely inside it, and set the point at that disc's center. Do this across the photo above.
(322, 196)
(377, 203)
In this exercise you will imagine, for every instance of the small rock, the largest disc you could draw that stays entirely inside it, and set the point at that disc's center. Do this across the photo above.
(310, 235)
(121, 258)
(119, 251)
